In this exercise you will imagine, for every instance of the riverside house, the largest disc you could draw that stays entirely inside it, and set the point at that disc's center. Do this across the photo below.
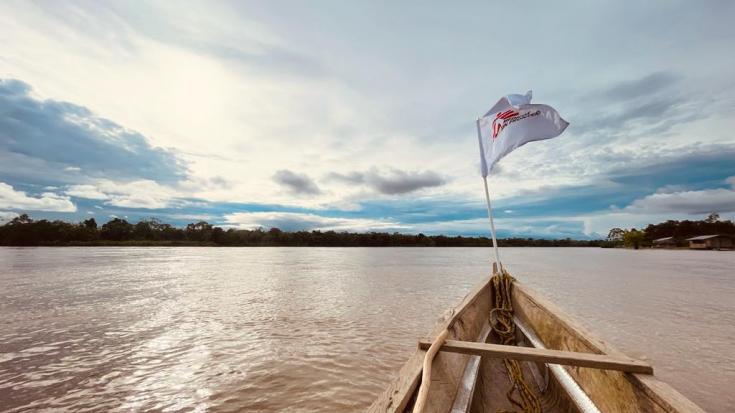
(710, 242)
(667, 242)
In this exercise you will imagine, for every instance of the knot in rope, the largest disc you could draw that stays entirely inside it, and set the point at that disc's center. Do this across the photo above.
(501, 321)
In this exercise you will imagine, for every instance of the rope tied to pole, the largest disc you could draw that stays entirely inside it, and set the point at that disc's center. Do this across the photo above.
(501, 321)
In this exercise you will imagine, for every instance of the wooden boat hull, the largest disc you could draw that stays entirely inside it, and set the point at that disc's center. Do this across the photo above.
(609, 391)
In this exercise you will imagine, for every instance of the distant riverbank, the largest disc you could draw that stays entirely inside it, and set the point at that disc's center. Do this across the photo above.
(24, 231)
(465, 242)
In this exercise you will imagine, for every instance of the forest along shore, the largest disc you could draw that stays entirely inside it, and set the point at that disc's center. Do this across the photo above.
(671, 233)
(24, 231)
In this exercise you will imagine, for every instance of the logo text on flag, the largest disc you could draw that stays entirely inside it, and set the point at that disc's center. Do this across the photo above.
(504, 119)
(499, 121)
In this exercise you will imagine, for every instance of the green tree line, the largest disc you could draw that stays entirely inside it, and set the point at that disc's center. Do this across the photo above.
(679, 230)
(24, 231)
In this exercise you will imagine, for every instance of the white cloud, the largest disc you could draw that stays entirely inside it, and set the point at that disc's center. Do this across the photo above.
(142, 193)
(599, 224)
(19, 200)
(139, 194)
(549, 226)
(6, 216)
(293, 221)
(86, 192)
(226, 88)
(315, 125)
(192, 217)
(687, 202)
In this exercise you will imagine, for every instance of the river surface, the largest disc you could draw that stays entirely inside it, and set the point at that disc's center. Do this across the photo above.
(322, 329)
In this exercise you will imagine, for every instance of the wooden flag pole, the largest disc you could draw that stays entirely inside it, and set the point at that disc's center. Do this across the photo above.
(492, 224)
(487, 197)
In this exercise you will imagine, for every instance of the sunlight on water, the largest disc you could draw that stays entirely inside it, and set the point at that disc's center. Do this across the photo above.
(319, 329)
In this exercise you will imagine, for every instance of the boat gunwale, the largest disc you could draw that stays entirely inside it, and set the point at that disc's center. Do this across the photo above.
(400, 391)
(662, 394)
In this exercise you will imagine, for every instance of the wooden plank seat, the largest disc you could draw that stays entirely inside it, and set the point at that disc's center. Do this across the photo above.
(568, 358)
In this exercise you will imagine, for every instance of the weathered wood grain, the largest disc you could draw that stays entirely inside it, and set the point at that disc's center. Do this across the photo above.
(612, 391)
(400, 392)
(466, 390)
(595, 361)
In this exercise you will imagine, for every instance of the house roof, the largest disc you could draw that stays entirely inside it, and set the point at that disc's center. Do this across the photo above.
(664, 239)
(703, 237)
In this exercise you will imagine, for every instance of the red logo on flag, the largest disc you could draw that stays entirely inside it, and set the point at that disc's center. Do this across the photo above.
(500, 121)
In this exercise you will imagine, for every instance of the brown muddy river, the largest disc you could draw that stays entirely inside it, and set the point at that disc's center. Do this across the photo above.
(321, 329)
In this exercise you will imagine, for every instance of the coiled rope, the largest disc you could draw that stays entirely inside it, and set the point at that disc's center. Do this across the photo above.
(501, 321)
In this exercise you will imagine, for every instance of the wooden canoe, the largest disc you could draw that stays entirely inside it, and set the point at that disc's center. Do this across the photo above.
(467, 375)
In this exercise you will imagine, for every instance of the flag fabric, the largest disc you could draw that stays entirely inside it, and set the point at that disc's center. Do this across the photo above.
(513, 122)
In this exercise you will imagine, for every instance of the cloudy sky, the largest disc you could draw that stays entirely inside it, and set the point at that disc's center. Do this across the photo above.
(360, 115)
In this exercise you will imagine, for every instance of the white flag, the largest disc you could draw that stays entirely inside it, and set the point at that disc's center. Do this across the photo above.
(513, 122)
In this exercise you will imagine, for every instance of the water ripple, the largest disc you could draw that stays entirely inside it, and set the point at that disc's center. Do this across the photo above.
(319, 329)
